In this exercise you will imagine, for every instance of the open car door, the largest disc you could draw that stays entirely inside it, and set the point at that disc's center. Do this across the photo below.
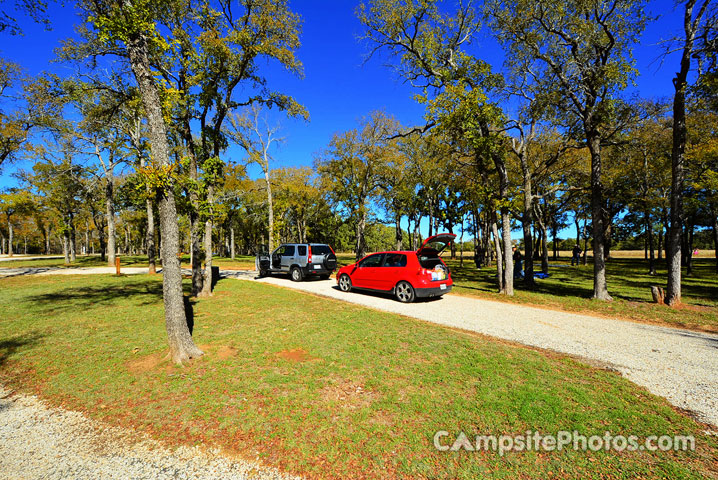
(263, 261)
(436, 244)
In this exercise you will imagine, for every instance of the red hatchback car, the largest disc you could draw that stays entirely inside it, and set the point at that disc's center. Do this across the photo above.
(407, 275)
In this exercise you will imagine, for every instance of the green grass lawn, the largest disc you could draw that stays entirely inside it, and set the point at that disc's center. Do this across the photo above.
(322, 387)
(570, 288)
(567, 288)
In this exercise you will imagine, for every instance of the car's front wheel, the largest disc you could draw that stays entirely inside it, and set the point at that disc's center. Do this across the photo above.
(296, 274)
(345, 283)
(404, 292)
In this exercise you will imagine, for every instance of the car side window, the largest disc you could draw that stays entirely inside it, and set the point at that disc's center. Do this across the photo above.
(395, 260)
(372, 260)
(288, 251)
(302, 250)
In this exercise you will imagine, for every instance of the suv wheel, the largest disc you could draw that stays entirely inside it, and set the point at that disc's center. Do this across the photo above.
(296, 274)
(345, 283)
(404, 292)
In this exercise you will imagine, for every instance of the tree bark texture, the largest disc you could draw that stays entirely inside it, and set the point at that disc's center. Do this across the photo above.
(151, 247)
(673, 242)
(110, 219)
(179, 338)
(600, 286)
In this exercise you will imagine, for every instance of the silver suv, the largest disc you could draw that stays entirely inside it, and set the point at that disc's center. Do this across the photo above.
(299, 260)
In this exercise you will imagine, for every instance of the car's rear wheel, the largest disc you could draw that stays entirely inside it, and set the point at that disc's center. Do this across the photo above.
(345, 283)
(404, 292)
(296, 274)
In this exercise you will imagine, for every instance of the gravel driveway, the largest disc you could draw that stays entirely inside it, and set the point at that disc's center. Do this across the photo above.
(37, 441)
(680, 365)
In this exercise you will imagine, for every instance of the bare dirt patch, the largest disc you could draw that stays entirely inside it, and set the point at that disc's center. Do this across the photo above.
(295, 355)
(147, 363)
(349, 394)
(225, 351)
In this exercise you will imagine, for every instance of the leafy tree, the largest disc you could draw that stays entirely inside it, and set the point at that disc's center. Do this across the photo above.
(430, 50)
(581, 52)
(14, 203)
(351, 169)
(128, 29)
(699, 19)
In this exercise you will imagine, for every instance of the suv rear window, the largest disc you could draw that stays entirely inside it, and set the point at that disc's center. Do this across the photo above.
(321, 250)
(302, 249)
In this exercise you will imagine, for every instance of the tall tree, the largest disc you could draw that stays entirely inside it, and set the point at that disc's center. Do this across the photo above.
(694, 16)
(429, 47)
(351, 168)
(583, 50)
(129, 30)
(252, 132)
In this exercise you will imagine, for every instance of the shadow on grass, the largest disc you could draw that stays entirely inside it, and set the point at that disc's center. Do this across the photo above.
(189, 312)
(11, 346)
(106, 295)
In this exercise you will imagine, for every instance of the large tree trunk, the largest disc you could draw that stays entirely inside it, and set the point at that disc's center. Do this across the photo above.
(10, 237)
(150, 241)
(195, 251)
(585, 242)
(73, 240)
(66, 245)
(600, 286)
(208, 227)
(110, 219)
(527, 222)
(652, 254)
(360, 241)
(399, 233)
(270, 207)
(500, 164)
(673, 288)
(86, 248)
(508, 254)
(499, 256)
(231, 242)
(715, 238)
(179, 337)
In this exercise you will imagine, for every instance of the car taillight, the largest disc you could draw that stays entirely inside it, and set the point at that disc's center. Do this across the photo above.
(309, 254)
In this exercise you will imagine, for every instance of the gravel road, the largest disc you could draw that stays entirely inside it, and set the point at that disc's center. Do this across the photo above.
(679, 365)
(40, 442)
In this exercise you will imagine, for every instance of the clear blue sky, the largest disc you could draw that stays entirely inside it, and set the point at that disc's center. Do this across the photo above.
(339, 88)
